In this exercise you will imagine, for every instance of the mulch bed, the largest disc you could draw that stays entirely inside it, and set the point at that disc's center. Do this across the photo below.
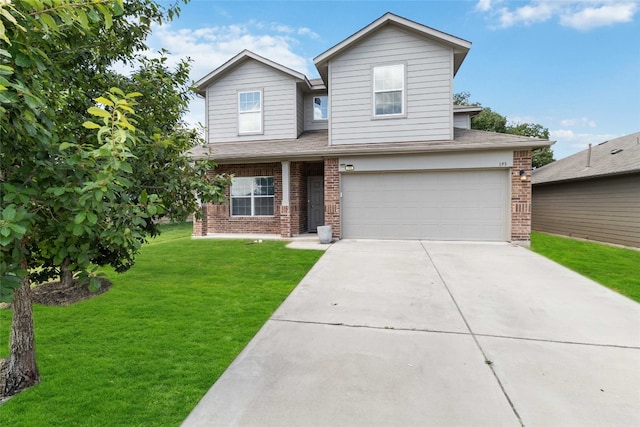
(55, 293)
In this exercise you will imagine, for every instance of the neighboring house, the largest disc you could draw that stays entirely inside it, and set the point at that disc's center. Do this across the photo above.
(374, 147)
(593, 194)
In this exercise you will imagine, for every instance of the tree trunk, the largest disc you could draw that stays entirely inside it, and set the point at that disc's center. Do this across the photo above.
(19, 370)
(66, 275)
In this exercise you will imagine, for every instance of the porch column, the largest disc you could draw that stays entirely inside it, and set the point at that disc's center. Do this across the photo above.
(285, 212)
(286, 179)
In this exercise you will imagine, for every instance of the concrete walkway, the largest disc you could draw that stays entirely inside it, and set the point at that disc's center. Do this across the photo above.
(383, 333)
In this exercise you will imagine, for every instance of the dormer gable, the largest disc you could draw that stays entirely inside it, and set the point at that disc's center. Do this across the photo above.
(460, 46)
(252, 98)
(240, 58)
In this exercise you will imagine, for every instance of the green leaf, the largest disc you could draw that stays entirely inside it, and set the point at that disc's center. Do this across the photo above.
(5, 70)
(105, 101)
(92, 218)
(18, 229)
(80, 217)
(49, 22)
(78, 230)
(118, 7)
(64, 146)
(9, 213)
(96, 111)
(94, 284)
(22, 60)
(91, 125)
(82, 18)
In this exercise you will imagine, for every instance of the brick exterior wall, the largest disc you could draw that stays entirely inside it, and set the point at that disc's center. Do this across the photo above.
(521, 197)
(217, 218)
(332, 195)
(287, 221)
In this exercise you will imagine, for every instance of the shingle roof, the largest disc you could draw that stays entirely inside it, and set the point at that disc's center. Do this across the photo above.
(614, 157)
(314, 144)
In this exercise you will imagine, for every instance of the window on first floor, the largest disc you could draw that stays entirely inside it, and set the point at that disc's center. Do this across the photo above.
(320, 111)
(252, 196)
(388, 90)
(250, 112)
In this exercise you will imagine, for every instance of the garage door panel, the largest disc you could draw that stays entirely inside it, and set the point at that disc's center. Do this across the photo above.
(455, 205)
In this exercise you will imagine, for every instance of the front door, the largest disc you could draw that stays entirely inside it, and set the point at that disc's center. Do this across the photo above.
(315, 202)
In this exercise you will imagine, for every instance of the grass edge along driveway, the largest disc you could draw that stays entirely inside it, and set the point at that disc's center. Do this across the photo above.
(614, 267)
(145, 352)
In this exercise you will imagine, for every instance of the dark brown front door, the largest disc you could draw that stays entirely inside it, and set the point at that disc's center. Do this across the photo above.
(315, 203)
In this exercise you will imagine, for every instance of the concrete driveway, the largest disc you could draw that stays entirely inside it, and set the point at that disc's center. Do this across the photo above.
(383, 333)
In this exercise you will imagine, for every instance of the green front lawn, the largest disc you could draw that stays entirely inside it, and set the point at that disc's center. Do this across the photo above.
(145, 352)
(616, 268)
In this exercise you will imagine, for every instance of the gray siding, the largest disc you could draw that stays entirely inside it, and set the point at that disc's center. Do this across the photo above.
(279, 103)
(300, 112)
(309, 123)
(429, 71)
(462, 121)
(604, 209)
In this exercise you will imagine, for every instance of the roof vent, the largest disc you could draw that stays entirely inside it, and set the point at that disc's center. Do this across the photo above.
(616, 150)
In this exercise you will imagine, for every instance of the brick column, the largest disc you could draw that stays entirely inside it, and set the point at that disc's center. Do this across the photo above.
(200, 225)
(285, 221)
(521, 197)
(332, 195)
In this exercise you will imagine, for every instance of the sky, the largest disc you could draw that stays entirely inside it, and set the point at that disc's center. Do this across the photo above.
(571, 66)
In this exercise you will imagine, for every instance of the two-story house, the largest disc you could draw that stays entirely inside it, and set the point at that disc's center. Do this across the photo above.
(374, 147)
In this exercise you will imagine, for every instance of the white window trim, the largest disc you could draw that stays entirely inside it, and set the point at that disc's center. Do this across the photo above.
(313, 101)
(261, 111)
(253, 197)
(403, 114)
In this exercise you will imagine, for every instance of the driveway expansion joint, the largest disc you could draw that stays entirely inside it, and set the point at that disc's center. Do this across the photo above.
(383, 328)
(488, 362)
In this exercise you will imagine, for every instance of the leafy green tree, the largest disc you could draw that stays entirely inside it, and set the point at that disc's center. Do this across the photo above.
(463, 98)
(491, 121)
(73, 165)
(541, 156)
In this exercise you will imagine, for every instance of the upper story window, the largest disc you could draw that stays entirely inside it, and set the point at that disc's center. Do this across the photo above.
(250, 112)
(252, 196)
(320, 111)
(388, 90)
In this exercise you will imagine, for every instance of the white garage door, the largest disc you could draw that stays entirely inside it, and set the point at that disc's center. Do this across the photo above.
(457, 205)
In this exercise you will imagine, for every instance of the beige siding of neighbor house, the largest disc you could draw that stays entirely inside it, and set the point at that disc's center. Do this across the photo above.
(309, 123)
(603, 209)
(278, 103)
(428, 90)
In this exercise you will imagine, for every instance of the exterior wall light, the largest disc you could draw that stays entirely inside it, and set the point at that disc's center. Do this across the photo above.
(349, 167)
(523, 175)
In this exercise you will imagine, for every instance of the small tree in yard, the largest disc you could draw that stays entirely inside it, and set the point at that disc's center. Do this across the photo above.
(75, 186)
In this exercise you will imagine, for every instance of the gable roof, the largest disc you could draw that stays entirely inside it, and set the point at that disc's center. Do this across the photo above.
(460, 46)
(243, 56)
(315, 144)
(614, 157)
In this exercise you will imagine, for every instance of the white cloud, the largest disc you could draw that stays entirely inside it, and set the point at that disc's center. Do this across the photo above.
(578, 122)
(578, 14)
(521, 119)
(529, 14)
(210, 47)
(606, 14)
